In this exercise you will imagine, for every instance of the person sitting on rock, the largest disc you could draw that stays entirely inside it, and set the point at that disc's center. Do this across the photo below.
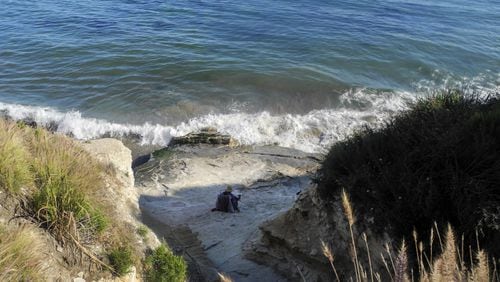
(227, 201)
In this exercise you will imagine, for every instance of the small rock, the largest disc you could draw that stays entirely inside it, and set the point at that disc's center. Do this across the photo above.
(132, 274)
(78, 279)
(205, 136)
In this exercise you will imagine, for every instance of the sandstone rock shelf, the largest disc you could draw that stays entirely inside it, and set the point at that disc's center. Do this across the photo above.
(178, 187)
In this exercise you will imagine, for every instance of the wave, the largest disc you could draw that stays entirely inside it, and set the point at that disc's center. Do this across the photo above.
(484, 84)
(314, 131)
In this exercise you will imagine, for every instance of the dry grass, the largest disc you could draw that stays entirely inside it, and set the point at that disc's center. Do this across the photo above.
(327, 252)
(346, 203)
(14, 165)
(21, 255)
(448, 266)
(67, 179)
(66, 190)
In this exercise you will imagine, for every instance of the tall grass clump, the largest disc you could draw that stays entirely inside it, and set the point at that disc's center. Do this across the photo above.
(448, 265)
(68, 180)
(438, 161)
(14, 164)
(21, 255)
(163, 266)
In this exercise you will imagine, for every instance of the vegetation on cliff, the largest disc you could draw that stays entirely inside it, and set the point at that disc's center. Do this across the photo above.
(450, 265)
(163, 266)
(50, 181)
(438, 161)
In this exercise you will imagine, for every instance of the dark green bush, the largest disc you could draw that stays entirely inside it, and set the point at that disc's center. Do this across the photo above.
(121, 260)
(163, 266)
(438, 161)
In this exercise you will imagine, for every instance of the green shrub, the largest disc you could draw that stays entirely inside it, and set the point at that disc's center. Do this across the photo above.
(163, 266)
(121, 260)
(438, 161)
(14, 165)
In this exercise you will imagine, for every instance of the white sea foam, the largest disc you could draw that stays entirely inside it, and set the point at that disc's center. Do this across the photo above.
(311, 132)
(484, 84)
(314, 131)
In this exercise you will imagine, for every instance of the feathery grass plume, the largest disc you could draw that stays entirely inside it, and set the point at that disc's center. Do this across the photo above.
(327, 252)
(224, 277)
(437, 270)
(346, 203)
(446, 268)
(22, 255)
(350, 219)
(450, 270)
(365, 238)
(401, 266)
(480, 272)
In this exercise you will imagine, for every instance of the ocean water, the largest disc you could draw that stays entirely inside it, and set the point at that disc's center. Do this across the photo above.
(301, 74)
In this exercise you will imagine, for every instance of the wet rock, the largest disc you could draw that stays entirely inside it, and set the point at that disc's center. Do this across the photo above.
(141, 160)
(51, 126)
(208, 135)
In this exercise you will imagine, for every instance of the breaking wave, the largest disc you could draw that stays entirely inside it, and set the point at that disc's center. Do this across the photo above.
(314, 131)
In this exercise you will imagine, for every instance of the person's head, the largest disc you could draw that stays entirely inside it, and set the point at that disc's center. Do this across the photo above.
(229, 188)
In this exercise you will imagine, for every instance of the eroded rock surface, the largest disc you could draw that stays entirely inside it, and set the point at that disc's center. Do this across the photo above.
(291, 242)
(113, 154)
(179, 187)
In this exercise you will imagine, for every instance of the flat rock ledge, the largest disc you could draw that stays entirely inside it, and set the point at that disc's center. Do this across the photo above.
(178, 187)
